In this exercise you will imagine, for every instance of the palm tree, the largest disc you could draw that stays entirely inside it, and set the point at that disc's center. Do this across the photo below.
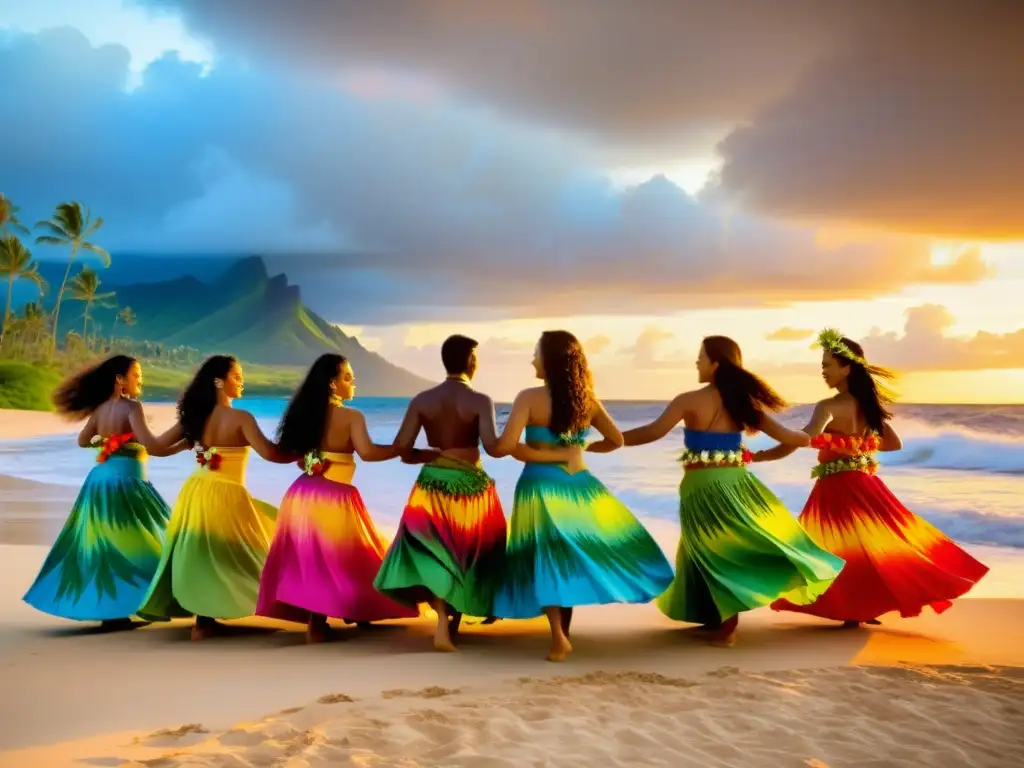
(70, 226)
(33, 322)
(16, 263)
(85, 286)
(126, 316)
(9, 217)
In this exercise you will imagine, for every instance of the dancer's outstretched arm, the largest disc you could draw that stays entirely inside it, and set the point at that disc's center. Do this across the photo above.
(819, 420)
(260, 443)
(405, 441)
(365, 447)
(522, 451)
(167, 444)
(648, 433)
(603, 423)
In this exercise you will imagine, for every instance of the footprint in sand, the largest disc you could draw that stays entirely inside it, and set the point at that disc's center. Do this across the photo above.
(430, 692)
(334, 698)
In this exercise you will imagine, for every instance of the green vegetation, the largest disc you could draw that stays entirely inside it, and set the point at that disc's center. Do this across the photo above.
(26, 386)
(169, 326)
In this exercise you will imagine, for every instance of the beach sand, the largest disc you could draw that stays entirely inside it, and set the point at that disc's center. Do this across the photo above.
(640, 690)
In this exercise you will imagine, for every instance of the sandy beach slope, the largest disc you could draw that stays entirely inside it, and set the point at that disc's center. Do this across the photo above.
(639, 691)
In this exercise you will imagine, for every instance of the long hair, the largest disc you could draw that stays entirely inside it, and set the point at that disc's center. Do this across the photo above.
(745, 397)
(78, 396)
(864, 383)
(301, 429)
(200, 397)
(567, 377)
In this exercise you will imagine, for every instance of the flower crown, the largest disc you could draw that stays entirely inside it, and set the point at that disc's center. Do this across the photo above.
(832, 340)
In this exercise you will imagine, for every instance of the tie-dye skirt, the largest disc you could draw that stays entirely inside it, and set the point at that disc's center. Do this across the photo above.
(739, 549)
(217, 543)
(104, 559)
(450, 542)
(325, 555)
(572, 543)
(895, 561)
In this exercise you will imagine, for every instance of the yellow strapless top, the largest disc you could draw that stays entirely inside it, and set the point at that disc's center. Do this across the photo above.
(342, 467)
(233, 460)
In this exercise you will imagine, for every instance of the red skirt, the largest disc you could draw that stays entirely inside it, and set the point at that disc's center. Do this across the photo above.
(895, 560)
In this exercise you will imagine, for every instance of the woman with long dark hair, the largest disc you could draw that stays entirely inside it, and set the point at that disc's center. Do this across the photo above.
(218, 536)
(105, 556)
(739, 547)
(326, 550)
(895, 561)
(570, 541)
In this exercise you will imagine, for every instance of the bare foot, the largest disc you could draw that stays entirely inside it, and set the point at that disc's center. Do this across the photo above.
(204, 630)
(560, 649)
(442, 638)
(851, 624)
(725, 637)
(319, 632)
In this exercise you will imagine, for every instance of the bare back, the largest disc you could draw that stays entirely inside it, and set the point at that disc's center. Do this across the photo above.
(846, 415)
(450, 415)
(112, 418)
(338, 431)
(226, 428)
(705, 412)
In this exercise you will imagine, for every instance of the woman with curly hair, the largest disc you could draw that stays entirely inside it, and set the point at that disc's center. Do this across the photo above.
(104, 558)
(895, 561)
(326, 549)
(570, 541)
(739, 547)
(218, 537)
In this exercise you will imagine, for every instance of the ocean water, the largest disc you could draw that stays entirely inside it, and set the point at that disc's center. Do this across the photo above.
(962, 467)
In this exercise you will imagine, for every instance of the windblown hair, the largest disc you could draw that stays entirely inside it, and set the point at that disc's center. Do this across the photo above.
(567, 377)
(302, 427)
(865, 385)
(200, 397)
(78, 396)
(745, 396)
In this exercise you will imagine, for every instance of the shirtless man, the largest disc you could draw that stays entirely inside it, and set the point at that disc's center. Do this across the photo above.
(450, 547)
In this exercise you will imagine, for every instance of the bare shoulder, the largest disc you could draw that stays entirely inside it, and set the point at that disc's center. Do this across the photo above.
(481, 399)
(347, 415)
(532, 394)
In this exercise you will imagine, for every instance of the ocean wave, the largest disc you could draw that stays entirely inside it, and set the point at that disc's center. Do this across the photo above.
(928, 446)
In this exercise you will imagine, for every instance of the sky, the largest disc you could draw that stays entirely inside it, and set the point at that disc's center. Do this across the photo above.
(640, 179)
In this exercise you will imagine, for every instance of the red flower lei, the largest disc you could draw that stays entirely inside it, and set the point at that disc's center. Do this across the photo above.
(112, 444)
(208, 458)
(851, 443)
(313, 464)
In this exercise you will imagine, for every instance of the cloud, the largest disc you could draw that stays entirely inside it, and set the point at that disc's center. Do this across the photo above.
(595, 345)
(648, 351)
(924, 345)
(790, 334)
(913, 124)
(902, 115)
(385, 211)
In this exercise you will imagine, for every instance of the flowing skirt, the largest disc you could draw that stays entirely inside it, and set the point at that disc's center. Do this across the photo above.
(450, 542)
(217, 543)
(572, 543)
(325, 555)
(895, 561)
(104, 558)
(739, 549)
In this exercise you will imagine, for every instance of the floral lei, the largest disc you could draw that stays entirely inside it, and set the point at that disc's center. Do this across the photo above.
(111, 444)
(832, 340)
(862, 446)
(313, 463)
(738, 458)
(208, 457)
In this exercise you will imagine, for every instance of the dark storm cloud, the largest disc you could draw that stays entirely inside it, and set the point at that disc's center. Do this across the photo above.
(905, 115)
(387, 210)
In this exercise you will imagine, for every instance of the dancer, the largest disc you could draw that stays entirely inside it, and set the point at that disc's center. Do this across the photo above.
(895, 561)
(570, 541)
(105, 556)
(326, 549)
(450, 547)
(218, 536)
(739, 547)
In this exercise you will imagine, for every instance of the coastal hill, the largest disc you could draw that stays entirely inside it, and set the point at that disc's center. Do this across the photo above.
(241, 310)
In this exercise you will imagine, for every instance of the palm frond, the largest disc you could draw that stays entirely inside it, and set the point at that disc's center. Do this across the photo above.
(92, 248)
